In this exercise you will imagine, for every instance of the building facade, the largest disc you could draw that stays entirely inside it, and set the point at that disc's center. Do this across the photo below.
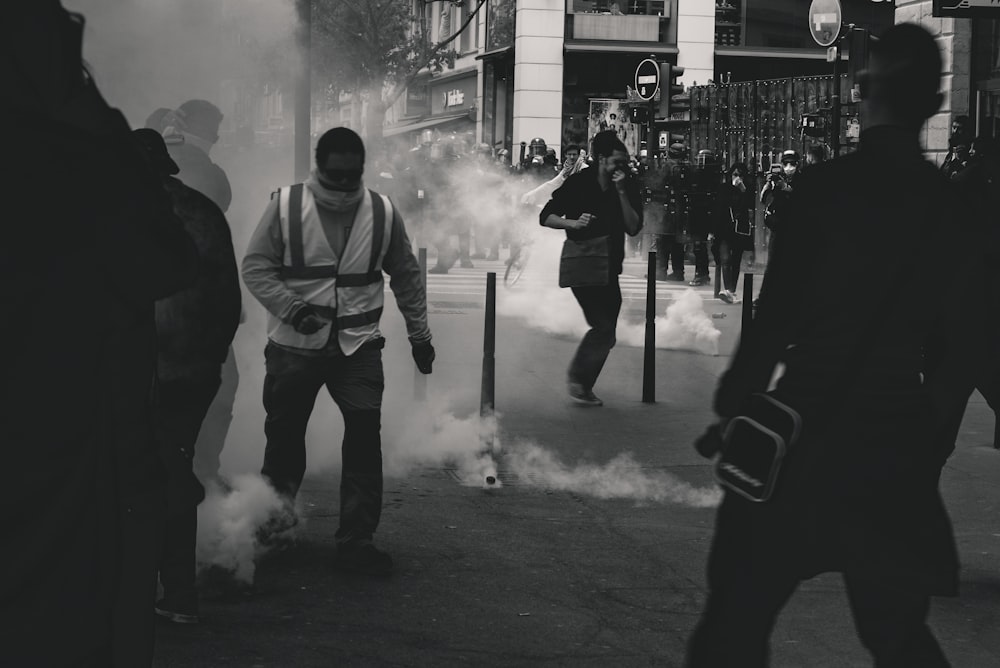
(560, 70)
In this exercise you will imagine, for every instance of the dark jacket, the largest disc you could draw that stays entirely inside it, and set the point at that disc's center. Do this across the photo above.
(733, 214)
(199, 172)
(86, 488)
(860, 490)
(194, 327)
(581, 193)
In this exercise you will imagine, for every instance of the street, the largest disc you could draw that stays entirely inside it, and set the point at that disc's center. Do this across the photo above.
(541, 571)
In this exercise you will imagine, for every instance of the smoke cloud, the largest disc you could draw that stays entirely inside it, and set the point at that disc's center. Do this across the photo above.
(228, 522)
(538, 302)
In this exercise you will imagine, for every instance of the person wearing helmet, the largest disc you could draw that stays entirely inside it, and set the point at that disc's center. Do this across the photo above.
(673, 191)
(705, 186)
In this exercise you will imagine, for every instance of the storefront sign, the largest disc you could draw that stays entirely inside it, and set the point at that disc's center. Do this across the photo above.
(453, 95)
(985, 9)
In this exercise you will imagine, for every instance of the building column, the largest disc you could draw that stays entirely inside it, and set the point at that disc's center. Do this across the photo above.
(954, 36)
(538, 72)
(696, 42)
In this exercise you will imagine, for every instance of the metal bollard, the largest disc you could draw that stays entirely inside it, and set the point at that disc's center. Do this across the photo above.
(649, 350)
(747, 319)
(487, 396)
(419, 379)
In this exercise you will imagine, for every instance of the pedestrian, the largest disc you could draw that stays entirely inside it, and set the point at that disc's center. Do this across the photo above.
(857, 494)
(196, 124)
(958, 146)
(194, 329)
(673, 185)
(597, 207)
(315, 262)
(701, 216)
(191, 132)
(734, 229)
(815, 154)
(85, 492)
(978, 188)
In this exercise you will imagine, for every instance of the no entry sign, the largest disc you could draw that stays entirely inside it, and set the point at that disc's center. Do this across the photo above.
(825, 19)
(647, 79)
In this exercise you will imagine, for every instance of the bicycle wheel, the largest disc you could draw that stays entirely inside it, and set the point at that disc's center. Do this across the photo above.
(515, 269)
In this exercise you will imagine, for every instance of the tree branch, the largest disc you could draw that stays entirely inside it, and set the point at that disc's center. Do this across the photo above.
(396, 91)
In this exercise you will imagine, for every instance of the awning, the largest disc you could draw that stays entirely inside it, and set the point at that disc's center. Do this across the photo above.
(605, 46)
(769, 52)
(424, 124)
(495, 53)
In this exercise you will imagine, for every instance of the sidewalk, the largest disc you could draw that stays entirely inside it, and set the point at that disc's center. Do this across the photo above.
(528, 576)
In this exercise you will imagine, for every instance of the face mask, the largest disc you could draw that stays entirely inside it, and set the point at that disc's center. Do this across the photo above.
(790, 169)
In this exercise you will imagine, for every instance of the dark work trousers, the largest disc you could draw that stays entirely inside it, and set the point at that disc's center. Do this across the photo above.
(601, 305)
(700, 245)
(729, 254)
(669, 255)
(215, 427)
(748, 589)
(181, 406)
(355, 383)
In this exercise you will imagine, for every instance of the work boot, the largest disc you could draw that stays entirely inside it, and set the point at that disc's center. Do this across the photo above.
(364, 559)
(702, 279)
(177, 612)
(583, 396)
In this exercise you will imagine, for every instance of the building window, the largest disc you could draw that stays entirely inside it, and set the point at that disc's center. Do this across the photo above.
(640, 7)
(499, 24)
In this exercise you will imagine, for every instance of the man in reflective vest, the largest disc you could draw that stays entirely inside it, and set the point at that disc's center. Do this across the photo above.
(315, 262)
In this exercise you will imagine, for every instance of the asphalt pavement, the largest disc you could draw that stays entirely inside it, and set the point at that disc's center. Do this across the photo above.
(537, 574)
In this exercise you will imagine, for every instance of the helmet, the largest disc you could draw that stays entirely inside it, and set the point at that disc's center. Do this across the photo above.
(677, 150)
(790, 155)
(537, 146)
(705, 157)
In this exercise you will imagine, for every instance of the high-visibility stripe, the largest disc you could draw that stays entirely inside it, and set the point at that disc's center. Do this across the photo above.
(295, 226)
(358, 280)
(317, 271)
(327, 312)
(359, 319)
(378, 229)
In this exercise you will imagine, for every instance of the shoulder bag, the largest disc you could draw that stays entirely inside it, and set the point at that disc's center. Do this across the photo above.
(584, 263)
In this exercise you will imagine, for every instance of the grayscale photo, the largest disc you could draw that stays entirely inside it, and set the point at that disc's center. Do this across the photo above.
(500, 333)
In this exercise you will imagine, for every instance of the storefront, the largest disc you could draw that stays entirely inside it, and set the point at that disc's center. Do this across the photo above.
(498, 75)
(985, 108)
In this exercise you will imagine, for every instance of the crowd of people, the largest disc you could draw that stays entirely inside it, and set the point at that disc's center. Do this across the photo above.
(102, 429)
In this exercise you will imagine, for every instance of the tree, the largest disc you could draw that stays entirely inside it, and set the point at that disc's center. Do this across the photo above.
(377, 48)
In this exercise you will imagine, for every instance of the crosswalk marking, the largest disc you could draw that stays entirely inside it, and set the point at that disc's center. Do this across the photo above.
(467, 282)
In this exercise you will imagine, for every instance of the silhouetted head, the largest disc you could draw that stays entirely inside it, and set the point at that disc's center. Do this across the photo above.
(200, 118)
(902, 82)
(155, 149)
(609, 152)
(340, 159)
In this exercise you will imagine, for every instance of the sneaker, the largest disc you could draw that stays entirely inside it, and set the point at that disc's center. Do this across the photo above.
(279, 528)
(466, 264)
(726, 296)
(673, 278)
(583, 396)
(175, 613)
(437, 269)
(365, 559)
(700, 280)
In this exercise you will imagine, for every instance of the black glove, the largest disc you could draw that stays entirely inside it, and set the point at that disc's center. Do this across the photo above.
(306, 321)
(710, 443)
(423, 355)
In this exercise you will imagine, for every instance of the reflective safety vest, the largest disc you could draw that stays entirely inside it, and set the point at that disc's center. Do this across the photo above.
(348, 291)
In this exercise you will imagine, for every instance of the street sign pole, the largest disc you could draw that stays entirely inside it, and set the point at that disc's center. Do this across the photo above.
(647, 82)
(835, 105)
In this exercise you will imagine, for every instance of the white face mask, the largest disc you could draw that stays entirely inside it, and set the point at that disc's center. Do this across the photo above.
(790, 169)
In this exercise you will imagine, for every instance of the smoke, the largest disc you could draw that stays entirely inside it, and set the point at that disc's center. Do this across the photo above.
(228, 522)
(684, 326)
(620, 478)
